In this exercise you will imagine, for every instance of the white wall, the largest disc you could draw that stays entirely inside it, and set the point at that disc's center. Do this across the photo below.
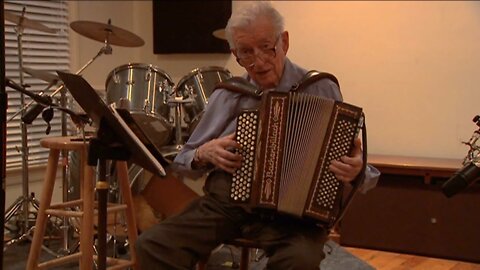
(411, 65)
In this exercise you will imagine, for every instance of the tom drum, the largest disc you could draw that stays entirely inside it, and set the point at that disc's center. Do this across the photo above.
(144, 90)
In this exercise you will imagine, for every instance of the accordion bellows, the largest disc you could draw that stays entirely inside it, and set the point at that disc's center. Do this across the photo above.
(287, 146)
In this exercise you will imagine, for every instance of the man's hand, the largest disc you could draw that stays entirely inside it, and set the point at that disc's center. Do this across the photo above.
(219, 153)
(347, 168)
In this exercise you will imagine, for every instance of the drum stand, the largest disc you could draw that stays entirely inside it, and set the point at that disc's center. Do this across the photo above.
(177, 103)
(178, 120)
(22, 204)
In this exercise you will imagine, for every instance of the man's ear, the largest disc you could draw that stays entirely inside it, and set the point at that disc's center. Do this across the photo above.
(285, 41)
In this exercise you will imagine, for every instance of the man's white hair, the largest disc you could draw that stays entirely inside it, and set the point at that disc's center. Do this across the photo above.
(248, 14)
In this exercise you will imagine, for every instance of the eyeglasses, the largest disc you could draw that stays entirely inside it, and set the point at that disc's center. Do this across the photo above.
(246, 57)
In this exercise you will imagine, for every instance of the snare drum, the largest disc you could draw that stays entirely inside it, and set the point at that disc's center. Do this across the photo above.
(144, 90)
(197, 86)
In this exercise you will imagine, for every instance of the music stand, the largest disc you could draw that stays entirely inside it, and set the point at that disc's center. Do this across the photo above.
(117, 139)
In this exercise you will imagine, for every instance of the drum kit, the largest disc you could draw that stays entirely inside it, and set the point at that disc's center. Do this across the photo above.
(169, 112)
(153, 99)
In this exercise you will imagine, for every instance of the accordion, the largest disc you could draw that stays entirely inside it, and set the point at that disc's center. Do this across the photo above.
(287, 146)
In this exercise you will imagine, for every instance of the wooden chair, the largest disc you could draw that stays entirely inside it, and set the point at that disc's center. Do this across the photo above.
(246, 245)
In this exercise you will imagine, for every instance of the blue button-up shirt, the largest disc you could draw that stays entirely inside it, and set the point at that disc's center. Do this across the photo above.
(224, 106)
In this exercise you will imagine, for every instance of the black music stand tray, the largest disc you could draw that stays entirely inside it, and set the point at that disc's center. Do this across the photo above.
(116, 140)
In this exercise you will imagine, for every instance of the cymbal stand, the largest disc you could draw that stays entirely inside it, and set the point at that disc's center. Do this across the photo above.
(23, 202)
(66, 249)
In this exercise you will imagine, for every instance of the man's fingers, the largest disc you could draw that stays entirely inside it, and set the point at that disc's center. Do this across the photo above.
(357, 147)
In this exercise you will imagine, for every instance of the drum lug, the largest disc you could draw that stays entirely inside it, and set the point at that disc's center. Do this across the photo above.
(162, 86)
(200, 77)
(146, 106)
(148, 75)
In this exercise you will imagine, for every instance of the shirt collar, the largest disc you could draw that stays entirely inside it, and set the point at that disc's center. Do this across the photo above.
(286, 82)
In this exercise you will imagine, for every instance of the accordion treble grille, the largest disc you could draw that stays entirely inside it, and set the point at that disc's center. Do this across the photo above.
(246, 134)
(328, 187)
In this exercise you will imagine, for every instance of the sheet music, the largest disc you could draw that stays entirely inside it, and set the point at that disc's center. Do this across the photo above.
(159, 167)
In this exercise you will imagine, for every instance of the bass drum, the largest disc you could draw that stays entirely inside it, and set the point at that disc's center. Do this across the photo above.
(153, 200)
(157, 199)
(196, 87)
(144, 90)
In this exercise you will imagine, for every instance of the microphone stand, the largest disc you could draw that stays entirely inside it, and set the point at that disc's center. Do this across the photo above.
(45, 101)
(470, 173)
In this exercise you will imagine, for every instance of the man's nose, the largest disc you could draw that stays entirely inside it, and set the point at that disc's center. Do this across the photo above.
(259, 58)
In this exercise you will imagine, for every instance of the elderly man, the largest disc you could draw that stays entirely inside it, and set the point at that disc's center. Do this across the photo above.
(259, 42)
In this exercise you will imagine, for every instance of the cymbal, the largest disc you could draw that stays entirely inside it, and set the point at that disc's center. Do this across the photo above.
(101, 32)
(41, 74)
(27, 23)
(220, 33)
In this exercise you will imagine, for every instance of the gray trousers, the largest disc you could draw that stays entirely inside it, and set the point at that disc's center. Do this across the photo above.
(180, 241)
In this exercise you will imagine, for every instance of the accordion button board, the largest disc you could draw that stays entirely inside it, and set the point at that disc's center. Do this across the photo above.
(247, 126)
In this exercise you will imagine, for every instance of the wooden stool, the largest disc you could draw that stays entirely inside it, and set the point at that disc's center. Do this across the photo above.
(87, 212)
(245, 245)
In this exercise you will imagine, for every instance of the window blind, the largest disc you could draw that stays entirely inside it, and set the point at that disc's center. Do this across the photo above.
(41, 51)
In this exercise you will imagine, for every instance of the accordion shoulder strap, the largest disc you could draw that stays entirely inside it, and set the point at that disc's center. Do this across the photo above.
(239, 85)
(243, 86)
(314, 76)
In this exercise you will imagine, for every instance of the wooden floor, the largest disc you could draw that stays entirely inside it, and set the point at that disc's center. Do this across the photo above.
(382, 260)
